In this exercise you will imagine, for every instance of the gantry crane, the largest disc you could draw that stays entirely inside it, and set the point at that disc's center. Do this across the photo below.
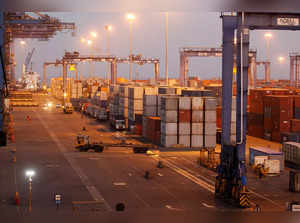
(28, 60)
(22, 25)
(231, 181)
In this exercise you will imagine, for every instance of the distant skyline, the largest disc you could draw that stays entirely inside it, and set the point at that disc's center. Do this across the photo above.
(185, 29)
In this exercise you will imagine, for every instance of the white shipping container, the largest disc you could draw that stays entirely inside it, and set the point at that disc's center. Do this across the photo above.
(169, 103)
(168, 140)
(168, 128)
(184, 128)
(210, 103)
(197, 141)
(259, 160)
(272, 166)
(210, 141)
(150, 100)
(150, 111)
(151, 91)
(197, 128)
(210, 116)
(136, 92)
(184, 140)
(210, 128)
(135, 104)
(197, 116)
(168, 116)
(184, 103)
(197, 103)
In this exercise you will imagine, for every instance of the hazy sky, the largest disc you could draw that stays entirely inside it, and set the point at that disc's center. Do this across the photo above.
(185, 29)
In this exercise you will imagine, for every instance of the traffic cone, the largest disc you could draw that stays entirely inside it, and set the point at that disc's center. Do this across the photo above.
(17, 199)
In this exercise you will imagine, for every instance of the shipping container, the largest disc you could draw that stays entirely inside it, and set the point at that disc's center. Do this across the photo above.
(169, 116)
(292, 153)
(262, 151)
(197, 103)
(169, 103)
(197, 141)
(184, 129)
(197, 129)
(184, 140)
(169, 128)
(184, 103)
(168, 140)
(210, 141)
(197, 116)
(184, 116)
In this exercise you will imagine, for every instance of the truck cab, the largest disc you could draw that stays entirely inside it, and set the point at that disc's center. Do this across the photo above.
(68, 108)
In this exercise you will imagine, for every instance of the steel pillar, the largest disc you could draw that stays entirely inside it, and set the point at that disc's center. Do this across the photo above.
(267, 71)
(44, 74)
(242, 94)
(297, 72)
(182, 70)
(156, 72)
(2, 42)
(292, 71)
(65, 70)
(229, 24)
(113, 72)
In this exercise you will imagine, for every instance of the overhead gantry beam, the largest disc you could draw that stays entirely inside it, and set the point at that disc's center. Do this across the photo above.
(75, 57)
(186, 52)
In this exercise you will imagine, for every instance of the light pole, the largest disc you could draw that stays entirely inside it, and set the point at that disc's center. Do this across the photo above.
(30, 174)
(130, 18)
(90, 43)
(167, 36)
(108, 29)
(23, 45)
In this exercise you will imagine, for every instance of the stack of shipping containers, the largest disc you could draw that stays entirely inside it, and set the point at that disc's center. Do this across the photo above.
(124, 103)
(197, 122)
(135, 104)
(168, 113)
(184, 121)
(210, 118)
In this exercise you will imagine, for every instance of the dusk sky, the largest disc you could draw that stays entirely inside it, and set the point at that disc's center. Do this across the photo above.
(201, 29)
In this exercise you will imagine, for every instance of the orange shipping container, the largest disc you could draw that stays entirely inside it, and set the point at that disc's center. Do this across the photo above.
(184, 116)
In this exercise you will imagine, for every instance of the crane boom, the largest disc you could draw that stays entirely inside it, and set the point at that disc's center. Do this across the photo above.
(28, 59)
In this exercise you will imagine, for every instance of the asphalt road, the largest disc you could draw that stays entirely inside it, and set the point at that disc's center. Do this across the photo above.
(46, 145)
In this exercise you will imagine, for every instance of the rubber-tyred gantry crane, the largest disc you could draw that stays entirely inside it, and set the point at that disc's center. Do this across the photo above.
(186, 52)
(231, 181)
(75, 57)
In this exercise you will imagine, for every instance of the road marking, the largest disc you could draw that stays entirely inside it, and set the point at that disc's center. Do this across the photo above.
(191, 177)
(120, 184)
(92, 189)
(173, 209)
(208, 206)
(207, 185)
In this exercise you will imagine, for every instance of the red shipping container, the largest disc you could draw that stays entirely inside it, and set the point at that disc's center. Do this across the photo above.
(295, 125)
(282, 107)
(138, 129)
(276, 136)
(281, 126)
(184, 116)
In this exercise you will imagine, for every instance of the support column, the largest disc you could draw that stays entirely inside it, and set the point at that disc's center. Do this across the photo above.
(182, 69)
(292, 71)
(267, 71)
(186, 71)
(2, 65)
(297, 72)
(44, 74)
(113, 72)
(229, 24)
(242, 90)
(65, 67)
(156, 72)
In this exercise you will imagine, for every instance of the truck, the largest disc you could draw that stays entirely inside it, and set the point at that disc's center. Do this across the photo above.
(68, 108)
(118, 122)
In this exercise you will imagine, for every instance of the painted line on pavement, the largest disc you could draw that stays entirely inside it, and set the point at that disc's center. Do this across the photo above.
(206, 185)
(91, 189)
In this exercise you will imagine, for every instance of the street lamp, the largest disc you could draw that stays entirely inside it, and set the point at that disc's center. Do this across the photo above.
(268, 37)
(93, 34)
(83, 40)
(130, 17)
(30, 174)
(22, 42)
(108, 29)
(281, 59)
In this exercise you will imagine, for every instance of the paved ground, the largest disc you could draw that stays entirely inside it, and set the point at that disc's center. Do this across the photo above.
(46, 144)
